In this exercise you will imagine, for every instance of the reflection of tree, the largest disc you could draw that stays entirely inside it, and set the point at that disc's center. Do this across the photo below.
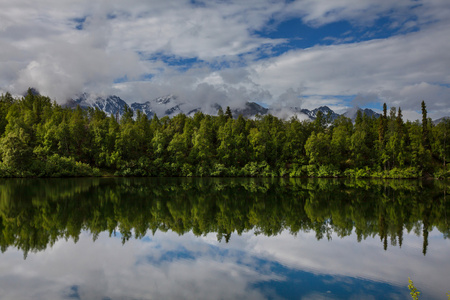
(36, 213)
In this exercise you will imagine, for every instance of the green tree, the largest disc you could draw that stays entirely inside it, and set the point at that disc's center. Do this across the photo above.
(6, 101)
(320, 123)
(226, 143)
(296, 134)
(80, 146)
(318, 149)
(441, 138)
(228, 113)
(419, 155)
(16, 151)
(341, 141)
(425, 134)
(204, 146)
(363, 140)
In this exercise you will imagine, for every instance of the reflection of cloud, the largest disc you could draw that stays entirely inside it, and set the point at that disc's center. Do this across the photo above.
(171, 267)
(367, 259)
(108, 269)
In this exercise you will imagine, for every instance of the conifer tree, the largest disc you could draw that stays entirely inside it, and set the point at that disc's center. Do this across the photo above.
(425, 137)
(228, 113)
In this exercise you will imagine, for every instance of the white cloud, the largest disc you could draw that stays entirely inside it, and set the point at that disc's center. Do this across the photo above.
(366, 12)
(42, 47)
(402, 70)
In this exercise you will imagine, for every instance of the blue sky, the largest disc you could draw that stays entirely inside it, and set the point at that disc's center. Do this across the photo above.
(307, 53)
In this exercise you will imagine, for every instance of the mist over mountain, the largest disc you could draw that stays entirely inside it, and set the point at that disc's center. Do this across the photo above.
(166, 105)
(250, 110)
(351, 114)
(170, 105)
(437, 121)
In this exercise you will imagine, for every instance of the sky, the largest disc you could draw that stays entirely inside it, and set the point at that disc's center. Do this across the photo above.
(303, 53)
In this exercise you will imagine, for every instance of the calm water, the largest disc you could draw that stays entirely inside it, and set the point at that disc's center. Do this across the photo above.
(223, 239)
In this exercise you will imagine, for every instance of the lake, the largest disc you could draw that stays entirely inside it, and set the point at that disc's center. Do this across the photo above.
(227, 238)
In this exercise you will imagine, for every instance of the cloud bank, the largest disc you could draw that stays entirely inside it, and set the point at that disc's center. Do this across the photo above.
(394, 52)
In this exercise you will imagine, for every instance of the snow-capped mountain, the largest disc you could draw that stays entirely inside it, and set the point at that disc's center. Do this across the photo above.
(161, 106)
(111, 105)
(114, 105)
(170, 106)
(145, 107)
(312, 114)
(165, 99)
(251, 109)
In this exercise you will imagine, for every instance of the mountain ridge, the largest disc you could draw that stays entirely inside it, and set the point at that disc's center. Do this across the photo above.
(170, 105)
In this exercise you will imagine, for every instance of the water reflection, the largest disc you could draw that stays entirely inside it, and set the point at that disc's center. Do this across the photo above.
(222, 239)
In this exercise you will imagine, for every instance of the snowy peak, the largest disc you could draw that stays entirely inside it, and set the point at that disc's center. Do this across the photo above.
(165, 99)
(312, 114)
(145, 107)
(173, 110)
(111, 105)
(114, 105)
(162, 106)
(170, 105)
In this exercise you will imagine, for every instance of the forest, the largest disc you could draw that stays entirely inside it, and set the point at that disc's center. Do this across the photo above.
(40, 138)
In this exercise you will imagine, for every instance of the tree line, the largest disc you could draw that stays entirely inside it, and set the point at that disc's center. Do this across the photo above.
(41, 138)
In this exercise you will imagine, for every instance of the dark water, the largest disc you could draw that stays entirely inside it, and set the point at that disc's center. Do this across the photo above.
(223, 239)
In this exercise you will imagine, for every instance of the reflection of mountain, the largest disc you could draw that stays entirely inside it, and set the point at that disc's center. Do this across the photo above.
(36, 213)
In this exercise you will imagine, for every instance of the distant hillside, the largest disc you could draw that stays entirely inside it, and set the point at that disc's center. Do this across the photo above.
(170, 105)
(437, 121)
(351, 114)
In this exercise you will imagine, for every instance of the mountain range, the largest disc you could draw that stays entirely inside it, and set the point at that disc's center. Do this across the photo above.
(170, 105)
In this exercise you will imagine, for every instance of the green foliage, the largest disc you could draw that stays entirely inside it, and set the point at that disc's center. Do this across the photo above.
(328, 171)
(358, 173)
(318, 148)
(254, 169)
(33, 130)
(413, 290)
(57, 166)
(16, 150)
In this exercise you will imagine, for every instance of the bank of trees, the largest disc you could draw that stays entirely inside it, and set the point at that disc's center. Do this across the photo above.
(41, 138)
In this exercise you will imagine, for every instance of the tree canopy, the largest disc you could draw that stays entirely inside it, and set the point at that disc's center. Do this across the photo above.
(41, 138)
